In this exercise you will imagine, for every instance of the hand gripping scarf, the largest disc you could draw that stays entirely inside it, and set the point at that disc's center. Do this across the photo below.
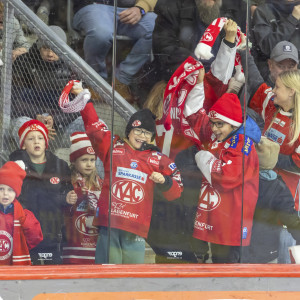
(80, 101)
(203, 49)
(180, 84)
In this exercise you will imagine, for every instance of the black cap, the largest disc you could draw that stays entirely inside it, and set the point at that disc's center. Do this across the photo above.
(143, 118)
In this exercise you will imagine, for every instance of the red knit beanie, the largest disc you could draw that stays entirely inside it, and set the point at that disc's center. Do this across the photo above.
(32, 125)
(12, 174)
(227, 109)
(80, 145)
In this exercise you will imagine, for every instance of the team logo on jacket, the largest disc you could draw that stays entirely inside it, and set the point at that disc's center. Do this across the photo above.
(153, 161)
(131, 174)
(128, 191)
(134, 165)
(136, 123)
(119, 151)
(90, 150)
(84, 226)
(55, 180)
(209, 198)
(5, 245)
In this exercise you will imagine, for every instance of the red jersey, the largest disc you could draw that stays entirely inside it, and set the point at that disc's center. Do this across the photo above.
(132, 190)
(279, 132)
(31, 229)
(226, 206)
(81, 235)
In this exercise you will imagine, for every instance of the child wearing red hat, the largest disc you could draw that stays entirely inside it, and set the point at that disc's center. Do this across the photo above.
(81, 235)
(230, 168)
(20, 231)
(45, 188)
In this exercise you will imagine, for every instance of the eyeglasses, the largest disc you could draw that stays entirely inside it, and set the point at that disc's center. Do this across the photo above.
(139, 131)
(217, 124)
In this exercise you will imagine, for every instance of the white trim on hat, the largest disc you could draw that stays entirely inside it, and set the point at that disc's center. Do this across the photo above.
(79, 145)
(78, 136)
(27, 129)
(215, 115)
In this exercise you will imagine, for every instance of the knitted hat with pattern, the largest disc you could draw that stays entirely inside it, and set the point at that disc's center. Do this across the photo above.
(80, 145)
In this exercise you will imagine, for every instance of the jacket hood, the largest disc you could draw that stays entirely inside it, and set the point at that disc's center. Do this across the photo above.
(251, 130)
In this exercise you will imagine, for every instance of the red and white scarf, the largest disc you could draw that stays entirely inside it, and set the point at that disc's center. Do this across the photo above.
(203, 49)
(180, 84)
(78, 103)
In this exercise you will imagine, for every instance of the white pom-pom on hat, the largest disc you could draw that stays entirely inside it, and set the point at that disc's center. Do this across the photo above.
(203, 51)
(21, 164)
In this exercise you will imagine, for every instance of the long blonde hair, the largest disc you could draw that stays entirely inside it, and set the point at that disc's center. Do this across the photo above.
(291, 79)
(91, 181)
(155, 99)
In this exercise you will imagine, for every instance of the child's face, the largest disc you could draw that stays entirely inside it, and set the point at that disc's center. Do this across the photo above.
(48, 55)
(35, 145)
(220, 129)
(7, 195)
(85, 164)
(137, 136)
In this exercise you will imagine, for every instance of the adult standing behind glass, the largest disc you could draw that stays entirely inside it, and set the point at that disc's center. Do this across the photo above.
(273, 22)
(178, 28)
(134, 19)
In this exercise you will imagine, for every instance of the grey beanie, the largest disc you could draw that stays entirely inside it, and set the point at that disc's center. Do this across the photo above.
(58, 31)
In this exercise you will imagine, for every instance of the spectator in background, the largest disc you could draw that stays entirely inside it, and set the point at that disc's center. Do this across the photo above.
(284, 56)
(20, 43)
(275, 206)
(254, 4)
(178, 28)
(273, 22)
(45, 189)
(39, 76)
(134, 19)
(20, 231)
(235, 10)
(51, 12)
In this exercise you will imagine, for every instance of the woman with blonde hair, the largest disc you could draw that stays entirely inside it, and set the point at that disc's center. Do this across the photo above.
(280, 109)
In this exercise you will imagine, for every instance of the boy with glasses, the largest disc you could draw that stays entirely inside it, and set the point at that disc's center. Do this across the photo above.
(137, 166)
(229, 165)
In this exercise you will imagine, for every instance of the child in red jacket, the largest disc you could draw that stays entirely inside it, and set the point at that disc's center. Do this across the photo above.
(20, 231)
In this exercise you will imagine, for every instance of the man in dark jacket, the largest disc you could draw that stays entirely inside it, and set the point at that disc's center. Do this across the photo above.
(178, 28)
(273, 22)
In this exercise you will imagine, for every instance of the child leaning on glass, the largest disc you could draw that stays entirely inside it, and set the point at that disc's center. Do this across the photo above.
(81, 235)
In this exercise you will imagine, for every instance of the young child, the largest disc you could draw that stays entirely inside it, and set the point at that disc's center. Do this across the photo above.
(274, 208)
(230, 167)
(81, 235)
(44, 189)
(20, 231)
(136, 168)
